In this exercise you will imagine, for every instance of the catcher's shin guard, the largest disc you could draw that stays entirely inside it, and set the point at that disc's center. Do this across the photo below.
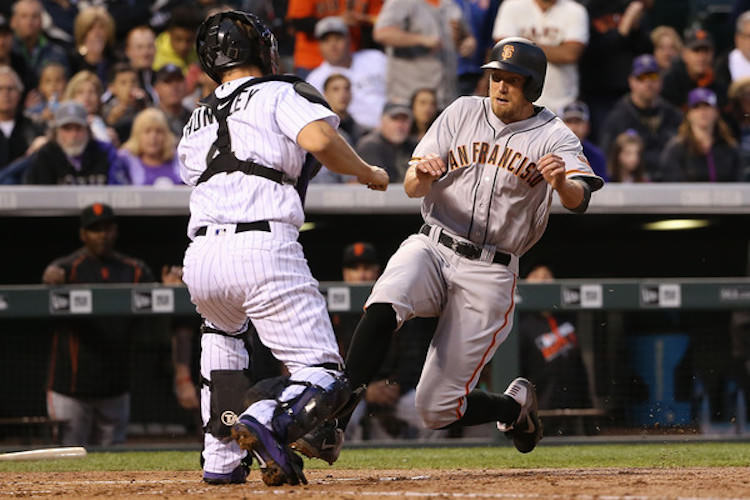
(315, 404)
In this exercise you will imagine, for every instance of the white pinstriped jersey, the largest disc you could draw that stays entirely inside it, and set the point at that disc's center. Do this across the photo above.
(263, 125)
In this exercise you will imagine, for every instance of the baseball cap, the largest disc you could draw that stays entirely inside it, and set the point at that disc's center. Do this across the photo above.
(643, 64)
(168, 72)
(396, 108)
(697, 38)
(70, 112)
(331, 24)
(359, 253)
(98, 212)
(575, 110)
(701, 95)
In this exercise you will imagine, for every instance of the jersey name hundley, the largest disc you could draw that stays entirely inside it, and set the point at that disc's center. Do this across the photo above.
(515, 162)
(203, 115)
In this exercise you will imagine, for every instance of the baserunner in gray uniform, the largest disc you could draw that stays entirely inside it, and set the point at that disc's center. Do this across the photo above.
(487, 169)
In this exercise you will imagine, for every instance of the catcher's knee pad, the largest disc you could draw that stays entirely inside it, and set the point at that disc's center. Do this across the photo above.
(303, 412)
(228, 389)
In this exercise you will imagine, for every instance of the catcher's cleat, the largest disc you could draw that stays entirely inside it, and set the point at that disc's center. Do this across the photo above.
(323, 442)
(237, 476)
(527, 430)
(278, 463)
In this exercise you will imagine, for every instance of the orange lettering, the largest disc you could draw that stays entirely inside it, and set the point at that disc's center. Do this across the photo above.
(462, 157)
(483, 152)
(493, 156)
(452, 164)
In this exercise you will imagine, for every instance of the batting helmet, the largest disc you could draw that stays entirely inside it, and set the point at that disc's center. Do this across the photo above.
(235, 38)
(522, 56)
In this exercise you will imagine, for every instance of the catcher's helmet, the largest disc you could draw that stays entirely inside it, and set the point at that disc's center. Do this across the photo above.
(222, 44)
(522, 56)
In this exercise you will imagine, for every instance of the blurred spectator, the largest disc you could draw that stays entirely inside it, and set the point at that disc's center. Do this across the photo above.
(667, 46)
(169, 83)
(388, 408)
(389, 146)
(739, 8)
(423, 39)
(89, 370)
(338, 93)
(424, 109)
(738, 119)
(480, 16)
(576, 117)
(30, 42)
(177, 44)
(126, 101)
(204, 85)
(62, 14)
(132, 13)
(72, 156)
(643, 110)
(617, 36)
(303, 15)
(365, 69)
(626, 159)
(561, 29)
(94, 42)
(551, 355)
(13, 59)
(693, 69)
(735, 64)
(16, 131)
(86, 89)
(704, 149)
(149, 156)
(140, 50)
(42, 101)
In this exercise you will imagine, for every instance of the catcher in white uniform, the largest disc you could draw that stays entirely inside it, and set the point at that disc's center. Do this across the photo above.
(244, 152)
(487, 169)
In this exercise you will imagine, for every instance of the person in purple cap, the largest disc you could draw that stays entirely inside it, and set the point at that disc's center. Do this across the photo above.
(644, 111)
(704, 149)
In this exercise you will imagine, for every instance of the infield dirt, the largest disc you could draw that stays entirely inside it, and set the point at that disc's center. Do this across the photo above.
(335, 484)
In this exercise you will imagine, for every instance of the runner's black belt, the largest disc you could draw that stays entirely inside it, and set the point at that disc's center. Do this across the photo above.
(465, 249)
(261, 225)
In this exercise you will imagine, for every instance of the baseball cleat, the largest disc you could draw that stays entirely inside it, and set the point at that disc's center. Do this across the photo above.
(237, 476)
(323, 442)
(278, 463)
(527, 430)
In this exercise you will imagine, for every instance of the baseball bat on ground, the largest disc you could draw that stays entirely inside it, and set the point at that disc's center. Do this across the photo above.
(44, 454)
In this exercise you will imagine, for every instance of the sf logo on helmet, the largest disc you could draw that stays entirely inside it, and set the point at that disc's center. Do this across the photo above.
(508, 52)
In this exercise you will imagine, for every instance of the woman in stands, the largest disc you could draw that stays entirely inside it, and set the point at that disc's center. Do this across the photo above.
(149, 155)
(704, 149)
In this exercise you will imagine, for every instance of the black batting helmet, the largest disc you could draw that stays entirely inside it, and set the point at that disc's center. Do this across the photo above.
(522, 56)
(235, 38)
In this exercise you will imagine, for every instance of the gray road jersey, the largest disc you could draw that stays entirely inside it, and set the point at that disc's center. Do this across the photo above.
(492, 193)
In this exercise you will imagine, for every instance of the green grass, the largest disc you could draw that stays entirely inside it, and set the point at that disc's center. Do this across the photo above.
(579, 456)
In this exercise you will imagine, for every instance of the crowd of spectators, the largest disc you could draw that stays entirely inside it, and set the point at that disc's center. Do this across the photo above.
(622, 78)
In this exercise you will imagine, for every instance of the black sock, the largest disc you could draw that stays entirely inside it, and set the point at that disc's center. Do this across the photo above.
(483, 407)
(369, 347)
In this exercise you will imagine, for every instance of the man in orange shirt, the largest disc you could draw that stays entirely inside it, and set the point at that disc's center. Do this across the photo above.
(302, 15)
